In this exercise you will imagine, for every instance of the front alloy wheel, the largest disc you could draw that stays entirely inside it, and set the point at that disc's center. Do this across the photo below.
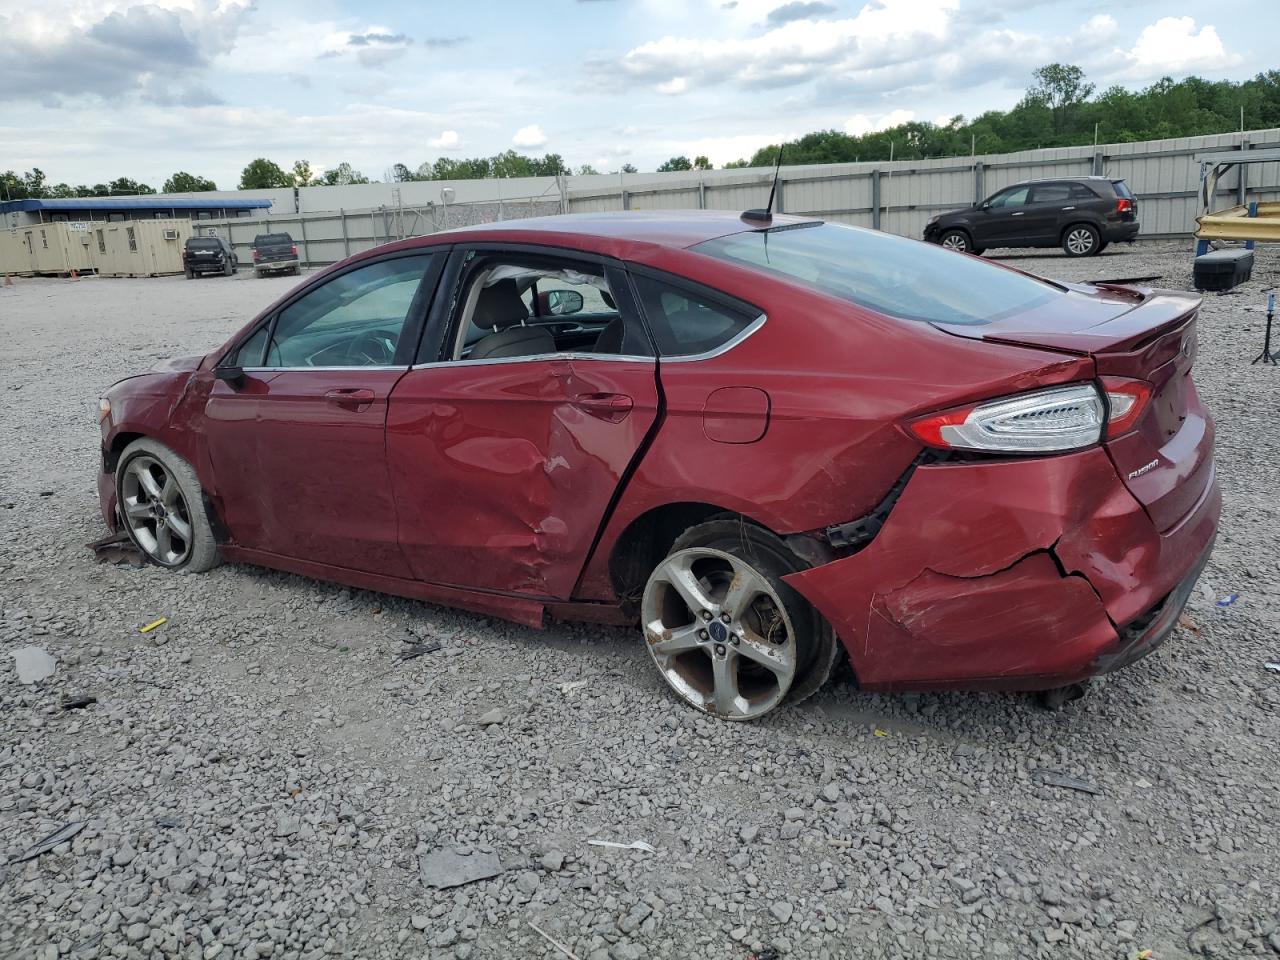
(156, 511)
(956, 240)
(719, 633)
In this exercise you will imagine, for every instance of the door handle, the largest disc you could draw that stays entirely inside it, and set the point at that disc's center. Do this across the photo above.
(1018, 213)
(1068, 208)
(350, 396)
(610, 407)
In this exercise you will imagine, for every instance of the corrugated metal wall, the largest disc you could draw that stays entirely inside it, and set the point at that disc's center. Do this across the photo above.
(897, 197)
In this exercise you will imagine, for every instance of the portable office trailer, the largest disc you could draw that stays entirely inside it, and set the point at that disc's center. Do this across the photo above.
(138, 248)
(125, 248)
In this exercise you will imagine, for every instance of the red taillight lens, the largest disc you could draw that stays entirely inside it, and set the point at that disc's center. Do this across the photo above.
(1126, 400)
(257, 254)
(294, 249)
(1042, 421)
(1124, 205)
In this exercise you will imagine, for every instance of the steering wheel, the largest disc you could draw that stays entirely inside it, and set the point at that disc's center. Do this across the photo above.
(371, 349)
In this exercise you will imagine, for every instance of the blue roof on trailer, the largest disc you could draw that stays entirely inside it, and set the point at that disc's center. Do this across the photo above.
(131, 203)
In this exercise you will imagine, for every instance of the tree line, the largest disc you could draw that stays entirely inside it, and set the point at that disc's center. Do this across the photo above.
(1059, 109)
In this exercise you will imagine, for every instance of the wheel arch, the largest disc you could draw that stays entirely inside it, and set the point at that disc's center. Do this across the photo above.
(1079, 222)
(111, 452)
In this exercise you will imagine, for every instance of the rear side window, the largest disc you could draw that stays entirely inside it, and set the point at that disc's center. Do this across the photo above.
(1081, 192)
(203, 244)
(1050, 193)
(685, 323)
(891, 275)
(271, 239)
(1122, 189)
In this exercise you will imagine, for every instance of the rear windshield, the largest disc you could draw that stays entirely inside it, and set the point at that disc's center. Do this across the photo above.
(269, 239)
(892, 275)
(198, 243)
(1122, 189)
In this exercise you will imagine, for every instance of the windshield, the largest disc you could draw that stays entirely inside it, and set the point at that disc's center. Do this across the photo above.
(198, 244)
(270, 239)
(892, 275)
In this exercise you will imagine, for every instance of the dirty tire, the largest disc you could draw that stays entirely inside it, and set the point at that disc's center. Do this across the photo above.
(1081, 240)
(957, 240)
(191, 274)
(776, 648)
(164, 515)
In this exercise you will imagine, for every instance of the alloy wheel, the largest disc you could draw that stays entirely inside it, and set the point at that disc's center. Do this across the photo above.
(719, 633)
(155, 511)
(1080, 241)
(955, 241)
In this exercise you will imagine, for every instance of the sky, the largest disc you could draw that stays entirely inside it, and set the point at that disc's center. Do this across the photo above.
(90, 91)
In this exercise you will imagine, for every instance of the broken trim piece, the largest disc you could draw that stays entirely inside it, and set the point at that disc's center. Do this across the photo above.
(856, 534)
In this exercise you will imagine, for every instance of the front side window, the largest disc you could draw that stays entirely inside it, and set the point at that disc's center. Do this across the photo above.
(891, 275)
(686, 323)
(353, 320)
(1015, 197)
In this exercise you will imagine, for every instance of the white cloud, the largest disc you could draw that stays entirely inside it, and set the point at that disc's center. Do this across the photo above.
(448, 140)
(860, 123)
(1172, 45)
(530, 137)
(674, 85)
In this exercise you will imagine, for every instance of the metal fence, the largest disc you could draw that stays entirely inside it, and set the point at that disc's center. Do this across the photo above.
(897, 197)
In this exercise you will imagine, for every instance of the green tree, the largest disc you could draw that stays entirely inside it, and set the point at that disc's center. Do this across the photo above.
(402, 174)
(1061, 87)
(343, 175)
(587, 170)
(303, 175)
(182, 182)
(701, 163)
(675, 163)
(263, 174)
(629, 168)
(130, 187)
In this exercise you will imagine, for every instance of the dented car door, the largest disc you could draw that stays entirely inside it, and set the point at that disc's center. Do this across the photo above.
(504, 469)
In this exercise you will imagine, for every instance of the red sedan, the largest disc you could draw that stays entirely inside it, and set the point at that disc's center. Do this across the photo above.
(765, 440)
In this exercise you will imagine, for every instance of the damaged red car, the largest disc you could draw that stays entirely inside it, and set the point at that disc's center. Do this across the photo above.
(769, 442)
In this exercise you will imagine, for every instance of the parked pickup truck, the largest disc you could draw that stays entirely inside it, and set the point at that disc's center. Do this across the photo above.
(207, 255)
(274, 252)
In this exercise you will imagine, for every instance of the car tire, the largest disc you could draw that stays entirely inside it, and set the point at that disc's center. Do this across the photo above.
(228, 270)
(1081, 240)
(257, 273)
(191, 274)
(957, 240)
(1103, 245)
(162, 509)
(297, 271)
(735, 664)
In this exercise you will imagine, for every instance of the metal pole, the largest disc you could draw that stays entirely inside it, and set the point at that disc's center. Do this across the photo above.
(302, 228)
(346, 241)
(875, 199)
(1242, 179)
(702, 195)
(979, 177)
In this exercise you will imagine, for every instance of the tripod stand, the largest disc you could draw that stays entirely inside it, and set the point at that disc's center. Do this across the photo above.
(1266, 356)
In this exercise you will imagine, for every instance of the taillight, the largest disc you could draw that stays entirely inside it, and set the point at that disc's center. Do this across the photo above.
(257, 254)
(1124, 205)
(1045, 421)
(294, 249)
(1126, 399)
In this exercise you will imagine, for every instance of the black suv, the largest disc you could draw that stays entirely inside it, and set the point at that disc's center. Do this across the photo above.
(208, 255)
(1080, 214)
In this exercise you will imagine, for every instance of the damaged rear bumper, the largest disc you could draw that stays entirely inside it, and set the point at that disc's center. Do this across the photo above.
(1016, 574)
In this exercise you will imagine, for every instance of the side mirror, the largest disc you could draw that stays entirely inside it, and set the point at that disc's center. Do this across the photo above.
(232, 376)
(561, 302)
(986, 205)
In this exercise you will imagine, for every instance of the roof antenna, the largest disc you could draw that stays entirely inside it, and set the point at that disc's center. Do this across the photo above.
(766, 215)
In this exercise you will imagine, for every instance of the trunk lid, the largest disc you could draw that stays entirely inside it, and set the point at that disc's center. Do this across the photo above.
(1166, 458)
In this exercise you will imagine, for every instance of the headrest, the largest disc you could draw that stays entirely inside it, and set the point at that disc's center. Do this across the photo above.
(499, 306)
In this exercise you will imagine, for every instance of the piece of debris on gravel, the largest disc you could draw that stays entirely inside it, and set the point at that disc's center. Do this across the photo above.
(254, 786)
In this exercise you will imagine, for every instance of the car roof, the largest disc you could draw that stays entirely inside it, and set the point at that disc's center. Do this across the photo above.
(1100, 179)
(666, 228)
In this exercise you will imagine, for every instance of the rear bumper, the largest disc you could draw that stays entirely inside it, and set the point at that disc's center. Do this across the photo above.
(1018, 574)
(263, 265)
(1121, 231)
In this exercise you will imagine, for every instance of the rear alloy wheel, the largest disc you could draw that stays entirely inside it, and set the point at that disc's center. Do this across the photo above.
(728, 636)
(956, 240)
(1081, 240)
(160, 503)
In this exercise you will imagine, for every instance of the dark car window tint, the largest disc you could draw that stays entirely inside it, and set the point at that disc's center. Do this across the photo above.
(1011, 198)
(1080, 192)
(250, 352)
(353, 320)
(200, 244)
(270, 239)
(1051, 193)
(893, 275)
(685, 324)
(1122, 189)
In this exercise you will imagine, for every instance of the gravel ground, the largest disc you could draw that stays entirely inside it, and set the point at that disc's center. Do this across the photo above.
(259, 776)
